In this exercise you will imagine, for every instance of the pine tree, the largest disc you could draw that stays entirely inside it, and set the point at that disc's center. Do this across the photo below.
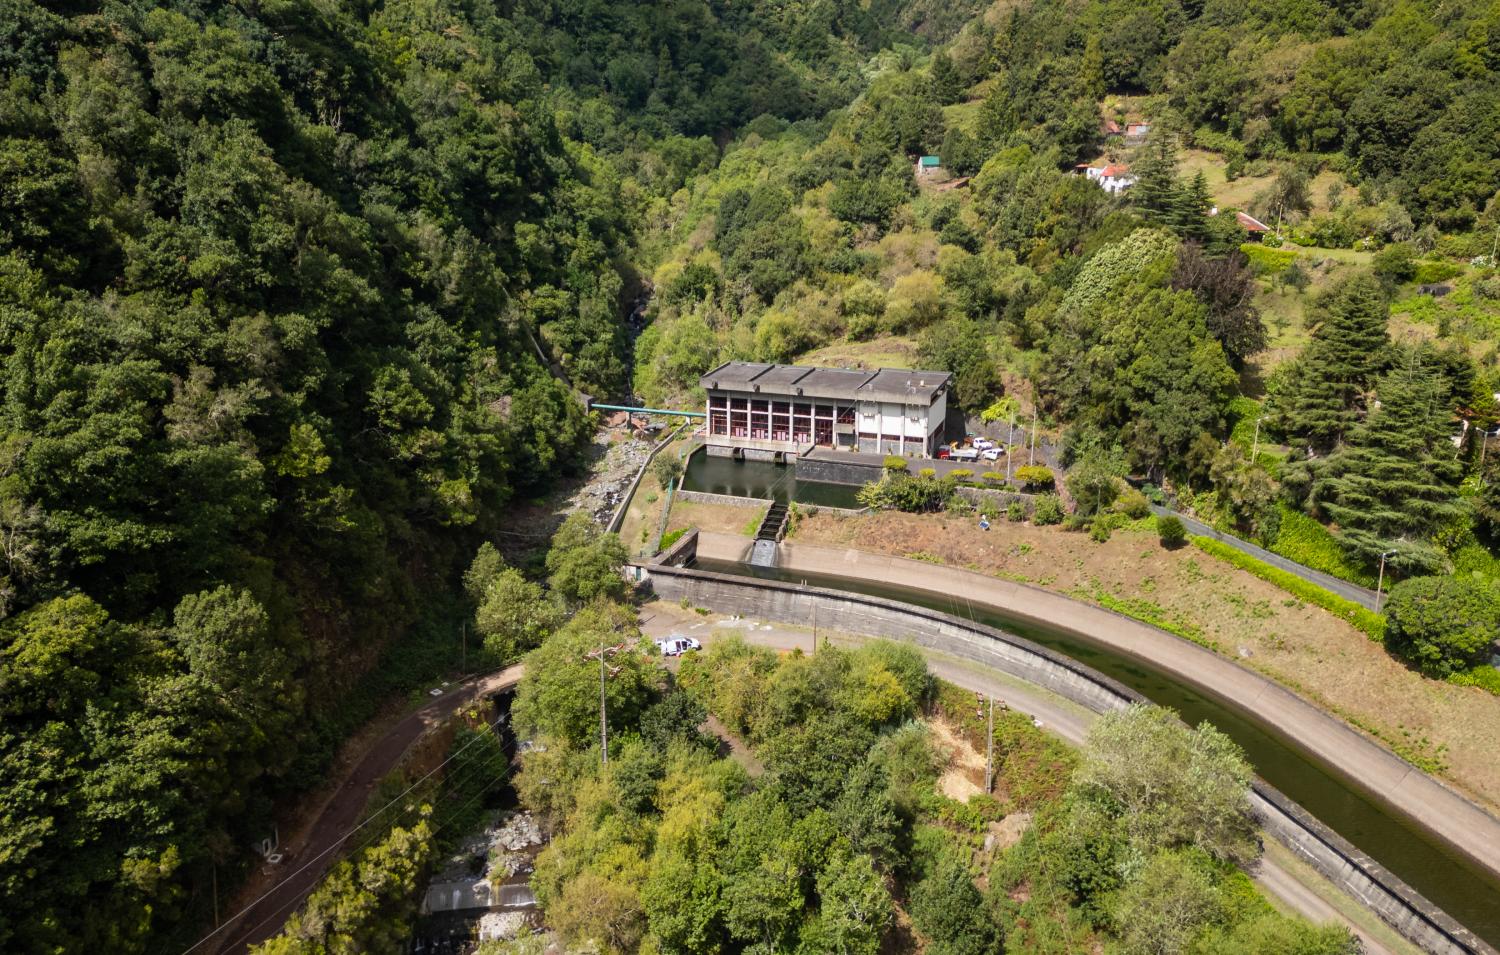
(1396, 481)
(1323, 390)
(1156, 188)
(946, 83)
(1188, 216)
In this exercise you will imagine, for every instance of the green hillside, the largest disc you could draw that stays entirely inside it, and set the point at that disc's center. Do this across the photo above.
(298, 300)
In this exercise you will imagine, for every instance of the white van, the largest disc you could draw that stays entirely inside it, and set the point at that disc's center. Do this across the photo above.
(676, 645)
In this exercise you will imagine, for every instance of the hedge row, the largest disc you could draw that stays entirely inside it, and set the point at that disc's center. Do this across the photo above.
(1363, 618)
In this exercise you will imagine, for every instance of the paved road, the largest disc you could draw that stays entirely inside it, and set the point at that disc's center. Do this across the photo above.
(1360, 595)
(1303, 892)
(280, 889)
(1450, 816)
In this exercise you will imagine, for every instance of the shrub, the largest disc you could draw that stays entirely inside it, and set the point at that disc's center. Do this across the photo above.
(1100, 529)
(960, 474)
(1265, 260)
(1170, 530)
(1133, 504)
(673, 537)
(1077, 522)
(1398, 262)
(1361, 617)
(1304, 540)
(667, 468)
(1442, 624)
(991, 477)
(1015, 512)
(1035, 477)
(1047, 510)
(902, 492)
(927, 473)
(1484, 676)
(894, 462)
(1430, 272)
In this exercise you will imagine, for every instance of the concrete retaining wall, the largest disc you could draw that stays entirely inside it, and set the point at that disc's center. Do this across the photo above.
(619, 515)
(704, 497)
(681, 553)
(836, 472)
(1418, 920)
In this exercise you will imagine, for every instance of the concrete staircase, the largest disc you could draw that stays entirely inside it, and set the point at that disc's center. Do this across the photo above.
(772, 527)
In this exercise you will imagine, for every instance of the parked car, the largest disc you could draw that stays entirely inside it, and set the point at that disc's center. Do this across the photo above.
(992, 453)
(676, 645)
(983, 444)
(965, 454)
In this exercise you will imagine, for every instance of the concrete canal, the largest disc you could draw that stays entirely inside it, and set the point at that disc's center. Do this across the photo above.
(1469, 894)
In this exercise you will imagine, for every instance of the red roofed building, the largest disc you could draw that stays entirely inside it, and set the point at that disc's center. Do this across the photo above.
(1252, 225)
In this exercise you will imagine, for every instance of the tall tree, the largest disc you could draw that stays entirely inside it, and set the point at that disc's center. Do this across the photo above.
(1156, 190)
(1323, 391)
(1226, 286)
(1396, 481)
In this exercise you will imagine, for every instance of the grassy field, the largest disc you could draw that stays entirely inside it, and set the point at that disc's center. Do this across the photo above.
(1448, 729)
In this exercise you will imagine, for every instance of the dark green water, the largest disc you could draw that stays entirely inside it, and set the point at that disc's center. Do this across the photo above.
(1464, 891)
(763, 479)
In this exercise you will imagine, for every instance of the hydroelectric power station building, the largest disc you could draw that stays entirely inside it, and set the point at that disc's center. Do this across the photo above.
(782, 412)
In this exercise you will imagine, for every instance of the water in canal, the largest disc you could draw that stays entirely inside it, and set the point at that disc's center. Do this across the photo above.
(1468, 893)
(762, 479)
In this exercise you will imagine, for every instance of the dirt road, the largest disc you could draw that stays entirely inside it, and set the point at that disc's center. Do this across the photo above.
(276, 891)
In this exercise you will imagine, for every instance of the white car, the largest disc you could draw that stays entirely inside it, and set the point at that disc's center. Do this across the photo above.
(676, 645)
(992, 454)
(983, 444)
(965, 454)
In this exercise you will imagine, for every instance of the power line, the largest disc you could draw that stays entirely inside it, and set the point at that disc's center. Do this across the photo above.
(366, 841)
(339, 841)
(276, 913)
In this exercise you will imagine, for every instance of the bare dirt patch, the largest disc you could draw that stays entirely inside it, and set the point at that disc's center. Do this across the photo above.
(1323, 658)
(963, 771)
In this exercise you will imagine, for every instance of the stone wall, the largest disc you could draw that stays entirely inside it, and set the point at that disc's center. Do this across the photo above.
(705, 497)
(836, 472)
(681, 553)
(619, 515)
(1396, 903)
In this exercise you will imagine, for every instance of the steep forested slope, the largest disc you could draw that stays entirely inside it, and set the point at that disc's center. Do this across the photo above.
(274, 282)
(295, 298)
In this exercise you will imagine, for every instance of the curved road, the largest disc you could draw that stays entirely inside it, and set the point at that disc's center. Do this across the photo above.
(280, 889)
(1443, 811)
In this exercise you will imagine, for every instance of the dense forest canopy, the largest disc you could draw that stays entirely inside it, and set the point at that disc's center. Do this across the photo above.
(295, 299)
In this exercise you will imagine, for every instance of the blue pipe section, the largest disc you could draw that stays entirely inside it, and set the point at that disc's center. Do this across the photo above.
(681, 414)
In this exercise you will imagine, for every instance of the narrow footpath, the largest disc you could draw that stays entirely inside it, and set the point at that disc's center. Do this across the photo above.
(1292, 883)
(1363, 596)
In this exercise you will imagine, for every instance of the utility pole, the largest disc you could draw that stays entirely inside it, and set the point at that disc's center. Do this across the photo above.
(463, 647)
(1255, 446)
(989, 753)
(815, 622)
(1380, 582)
